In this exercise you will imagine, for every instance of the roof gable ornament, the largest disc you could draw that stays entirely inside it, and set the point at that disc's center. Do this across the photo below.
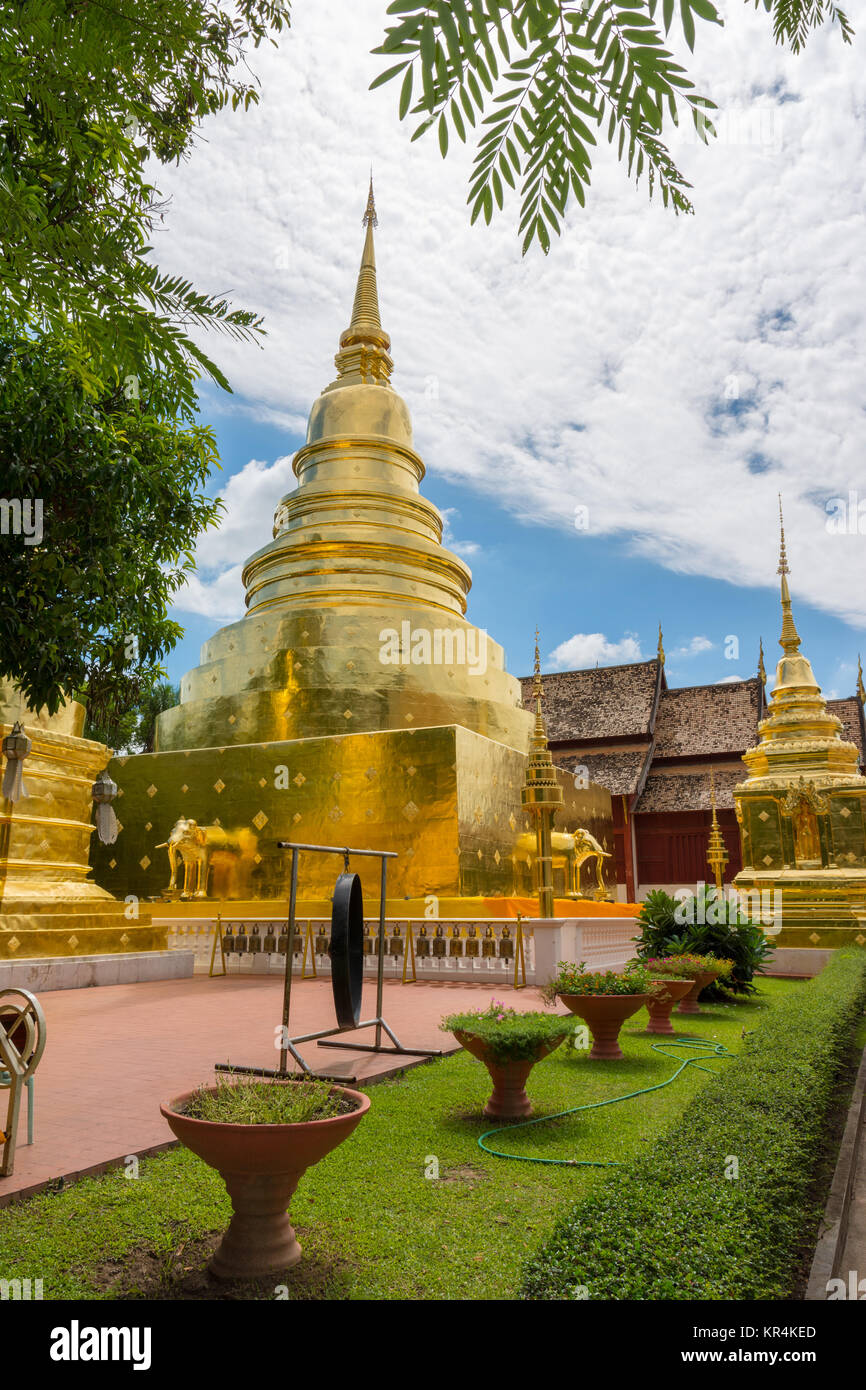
(661, 650)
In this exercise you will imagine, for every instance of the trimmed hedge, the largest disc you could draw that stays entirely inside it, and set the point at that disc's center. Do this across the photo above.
(670, 1225)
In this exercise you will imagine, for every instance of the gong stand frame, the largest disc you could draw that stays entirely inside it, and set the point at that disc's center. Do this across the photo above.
(288, 1043)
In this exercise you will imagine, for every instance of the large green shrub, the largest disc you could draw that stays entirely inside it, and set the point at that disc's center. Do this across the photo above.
(708, 924)
(677, 1223)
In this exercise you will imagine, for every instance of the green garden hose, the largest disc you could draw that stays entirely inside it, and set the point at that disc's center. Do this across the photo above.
(708, 1050)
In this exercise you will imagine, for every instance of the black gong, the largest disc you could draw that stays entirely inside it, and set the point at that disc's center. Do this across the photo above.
(347, 949)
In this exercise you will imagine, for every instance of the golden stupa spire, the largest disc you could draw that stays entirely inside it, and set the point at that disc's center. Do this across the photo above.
(797, 715)
(790, 638)
(541, 794)
(538, 693)
(370, 210)
(861, 688)
(660, 653)
(364, 345)
(717, 854)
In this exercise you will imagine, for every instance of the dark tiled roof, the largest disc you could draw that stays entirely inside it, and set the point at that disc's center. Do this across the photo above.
(689, 791)
(707, 719)
(606, 702)
(849, 712)
(618, 772)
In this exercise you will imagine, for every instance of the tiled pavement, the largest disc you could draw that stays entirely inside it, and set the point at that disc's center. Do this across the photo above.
(114, 1052)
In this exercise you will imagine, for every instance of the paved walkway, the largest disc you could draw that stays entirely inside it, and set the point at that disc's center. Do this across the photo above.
(115, 1052)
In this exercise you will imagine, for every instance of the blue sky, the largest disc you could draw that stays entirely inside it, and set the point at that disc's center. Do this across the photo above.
(568, 581)
(663, 377)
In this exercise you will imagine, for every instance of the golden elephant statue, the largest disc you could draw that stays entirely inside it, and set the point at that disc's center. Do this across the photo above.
(192, 845)
(586, 847)
(574, 847)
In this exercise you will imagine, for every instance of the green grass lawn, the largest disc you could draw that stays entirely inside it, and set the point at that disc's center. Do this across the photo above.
(371, 1224)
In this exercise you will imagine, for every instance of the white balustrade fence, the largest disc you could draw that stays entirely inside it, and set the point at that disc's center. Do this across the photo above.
(455, 951)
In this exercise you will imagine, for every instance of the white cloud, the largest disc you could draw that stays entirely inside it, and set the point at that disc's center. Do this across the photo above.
(467, 549)
(669, 374)
(695, 647)
(729, 680)
(250, 497)
(586, 649)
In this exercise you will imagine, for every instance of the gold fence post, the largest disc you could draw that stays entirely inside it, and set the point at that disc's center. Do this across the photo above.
(519, 955)
(218, 937)
(308, 941)
(410, 951)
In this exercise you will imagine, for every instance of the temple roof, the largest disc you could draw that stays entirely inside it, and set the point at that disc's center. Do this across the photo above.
(700, 720)
(602, 703)
(689, 791)
(850, 711)
(620, 773)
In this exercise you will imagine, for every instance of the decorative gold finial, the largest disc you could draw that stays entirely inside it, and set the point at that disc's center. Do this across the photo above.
(370, 218)
(537, 686)
(661, 650)
(861, 688)
(717, 855)
(363, 354)
(783, 559)
(790, 638)
(762, 670)
(541, 794)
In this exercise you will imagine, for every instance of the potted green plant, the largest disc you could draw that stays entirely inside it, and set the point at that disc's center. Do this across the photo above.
(603, 999)
(702, 971)
(262, 1136)
(509, 1044)
(669, 987)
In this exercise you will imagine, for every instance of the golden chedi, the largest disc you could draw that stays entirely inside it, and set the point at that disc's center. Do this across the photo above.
(802, 808)
(49, 904)
(353, 703)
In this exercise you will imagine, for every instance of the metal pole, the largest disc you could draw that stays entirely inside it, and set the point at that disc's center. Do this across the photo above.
(380, 979)
(290, 955)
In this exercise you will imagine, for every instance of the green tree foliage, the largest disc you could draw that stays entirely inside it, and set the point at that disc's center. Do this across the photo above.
(125, 718)
(540, 80)
(89, 93)
(121, 486)
(98, 352)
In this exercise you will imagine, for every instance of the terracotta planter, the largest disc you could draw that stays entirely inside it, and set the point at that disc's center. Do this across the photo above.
(604, 1014)
(689, 1003)
(509, 1100)
(663, 1000)
(261, 1166)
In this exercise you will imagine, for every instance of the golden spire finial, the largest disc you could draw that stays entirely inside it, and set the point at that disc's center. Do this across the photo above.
(661, 650)
(538, 692)
(364, 345)
(762, 670)
(783, 559)
(861, 688)
(370, 218)
(790, 638)
(717, 854)
(541, 794)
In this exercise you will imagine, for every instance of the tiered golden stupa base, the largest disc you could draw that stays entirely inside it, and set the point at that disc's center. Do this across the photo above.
(824, 909)
(445, 799)
(48, 905)
(71, 930)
